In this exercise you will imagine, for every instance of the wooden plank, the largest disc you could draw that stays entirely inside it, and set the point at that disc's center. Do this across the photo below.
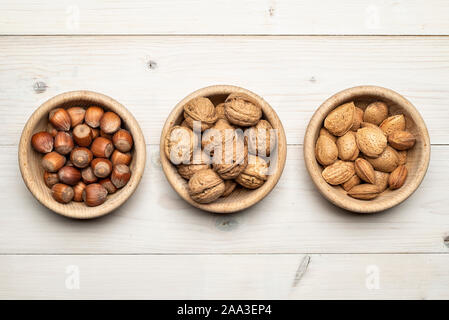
(344, 276)
(294, 74)
(47, 17)
(294, 218)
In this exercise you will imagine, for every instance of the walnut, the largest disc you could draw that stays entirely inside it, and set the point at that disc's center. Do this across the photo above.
(229, 187)
(261, 138)
(242, 110)
(200, 109)
(255, 173)
(206, 186)
(179, 144)
(188, 170)
(220, 111)
(217, 135)
(232, 162)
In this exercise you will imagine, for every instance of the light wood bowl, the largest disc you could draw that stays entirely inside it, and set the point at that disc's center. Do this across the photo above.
(30, 160)
(240, 198)
(417, 157)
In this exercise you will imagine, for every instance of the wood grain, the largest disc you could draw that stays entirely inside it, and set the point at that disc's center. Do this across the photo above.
(391, 276)
(293, 218)
(225, 17)
(293, 74)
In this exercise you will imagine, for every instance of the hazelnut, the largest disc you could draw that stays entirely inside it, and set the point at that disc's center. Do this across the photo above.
(120, 175)
(69, 175)
(81, 157)
(42, 142)
(105, 135)
(78, 191)
(60, 119)
(108, 185)
(93, 116)
(95, 133)
(62, 193)
(122, 140)
(242, 110)
(261, 139)
(255, 173)
(51, 130)
(118, 157)
(88, 175)
(53, 161)
(110, 122)
(94, 194)
(179, 144)
(101, 167)
(63, 143)
(76, 115)
(102, 147)
(82, 134)
(50, 179)
(200, 109)
(206, 186)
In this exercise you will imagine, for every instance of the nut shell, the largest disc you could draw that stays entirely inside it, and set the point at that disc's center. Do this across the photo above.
(93, 116)
(78, 190)
(53, 161)
(393, 123)
(217, 135)
(110, 122)
(81, 157)
(381, 180)
(230, 186)
(188, 170)
(76, 115)
(69, 175)
(102, 147)
(338, 172)
(242, 110)
(326, 151)
(63, 143)
(364, 191)
(232, 163)
(347, 146)
(340, 120)
(386, 162)
(60, 119)
(118, 157)
(102, 167)
(94, 194)
(325, 132)
(371, 141)
(42, 142)
(50, 179)
(206, 186)
(120, 175)
(62, 193)
(353, 181)
(255, 174)
(200, 109)
(376, 112)
(220, 111)
(261, 138)
(358, 119)
(397, 177)
(179, 144)
(88, 175)
(364, 170)
(83, 135)
(401, 140)
(122, 140)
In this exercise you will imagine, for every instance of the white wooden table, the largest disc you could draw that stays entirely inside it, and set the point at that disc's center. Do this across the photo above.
(150, 54)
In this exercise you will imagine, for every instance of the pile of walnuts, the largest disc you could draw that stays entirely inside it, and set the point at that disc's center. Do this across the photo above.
(217, 147)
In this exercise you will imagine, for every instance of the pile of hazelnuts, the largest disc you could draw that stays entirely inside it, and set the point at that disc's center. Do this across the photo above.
(86, 154)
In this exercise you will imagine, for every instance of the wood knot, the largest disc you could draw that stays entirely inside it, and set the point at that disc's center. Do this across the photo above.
(226, 223)
(271, 11)
(39, 87)
(312, 79)
(152, 65)
(446, 241)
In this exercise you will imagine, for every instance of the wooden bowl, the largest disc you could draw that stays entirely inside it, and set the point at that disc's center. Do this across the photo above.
(240, 198)
(417, 157)
(30, 160)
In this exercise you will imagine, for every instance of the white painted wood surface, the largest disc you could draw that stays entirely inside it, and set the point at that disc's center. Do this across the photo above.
(156, 245)
(379, 276)
(399, 17)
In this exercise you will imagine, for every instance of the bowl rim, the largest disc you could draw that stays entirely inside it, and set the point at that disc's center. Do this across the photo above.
(179, 184)
(139, 152)
(315, 124)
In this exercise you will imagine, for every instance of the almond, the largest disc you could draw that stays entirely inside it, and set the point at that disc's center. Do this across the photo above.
(324, 132)
(376, 112)
(326, 151)
(347, 146)
(371, 141)
(381, 180)
(339, 172)
(371, 125)
(386, 162)
(353, 181)
(397, 177)
(364, 170)
(340, 120)
(402, 155)
(393, 123)
(364, 191)
(401, 140)
(358, 119)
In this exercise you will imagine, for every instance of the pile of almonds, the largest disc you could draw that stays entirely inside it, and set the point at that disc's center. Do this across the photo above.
(207, 131)
(86, 154)
(364, 151)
